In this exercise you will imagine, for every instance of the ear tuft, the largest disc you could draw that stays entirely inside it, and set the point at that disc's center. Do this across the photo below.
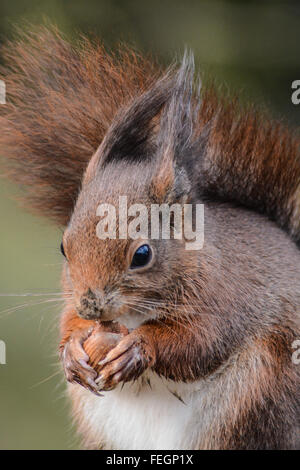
(176, 135)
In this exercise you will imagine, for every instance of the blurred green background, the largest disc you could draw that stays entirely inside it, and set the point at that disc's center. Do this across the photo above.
(249, 46)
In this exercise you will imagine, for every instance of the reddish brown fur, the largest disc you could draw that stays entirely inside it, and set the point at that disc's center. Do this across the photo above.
(267, 178)
(77, 92)
(233, 307)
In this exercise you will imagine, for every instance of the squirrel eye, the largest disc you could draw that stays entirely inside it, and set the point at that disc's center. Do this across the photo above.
(141, 257)
(62, 249)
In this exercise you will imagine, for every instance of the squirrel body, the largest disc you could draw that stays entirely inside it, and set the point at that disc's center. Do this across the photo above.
(155, 412)
(193, 350)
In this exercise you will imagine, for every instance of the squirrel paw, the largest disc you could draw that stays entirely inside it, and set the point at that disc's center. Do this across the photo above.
(127, 361)
(75, 361)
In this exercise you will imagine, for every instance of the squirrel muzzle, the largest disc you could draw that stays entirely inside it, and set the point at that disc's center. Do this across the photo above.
(95, 306)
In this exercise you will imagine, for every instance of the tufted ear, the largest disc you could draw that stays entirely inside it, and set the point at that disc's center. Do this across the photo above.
(130, 137)
(170, 182)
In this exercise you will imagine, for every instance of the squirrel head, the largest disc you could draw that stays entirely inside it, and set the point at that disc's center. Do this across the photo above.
(137, 163)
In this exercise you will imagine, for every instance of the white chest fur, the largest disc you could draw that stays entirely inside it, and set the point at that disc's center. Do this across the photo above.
(142, 416)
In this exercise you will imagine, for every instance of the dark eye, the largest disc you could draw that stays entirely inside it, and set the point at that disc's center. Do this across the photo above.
(141, 257)
(62, 249)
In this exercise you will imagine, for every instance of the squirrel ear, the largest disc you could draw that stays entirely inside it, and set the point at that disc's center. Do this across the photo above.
(170, 183)
(175, 137)
(130, 135)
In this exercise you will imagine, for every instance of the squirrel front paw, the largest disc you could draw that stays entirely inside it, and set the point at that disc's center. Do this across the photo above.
(81, 353)
(126, 362)
(75, 360)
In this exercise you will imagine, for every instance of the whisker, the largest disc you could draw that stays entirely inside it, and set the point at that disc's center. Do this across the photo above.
(156, 319)
(184, 320)
(30, 294)
(188, 308)
(11, 310)
(45, 380)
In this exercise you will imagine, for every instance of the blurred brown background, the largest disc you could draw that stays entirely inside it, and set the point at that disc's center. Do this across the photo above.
(248, 46)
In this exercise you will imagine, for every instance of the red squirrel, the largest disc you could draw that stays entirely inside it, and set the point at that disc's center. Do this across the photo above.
(191, 349)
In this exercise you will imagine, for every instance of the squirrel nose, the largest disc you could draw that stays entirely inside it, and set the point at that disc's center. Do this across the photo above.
(91, 306)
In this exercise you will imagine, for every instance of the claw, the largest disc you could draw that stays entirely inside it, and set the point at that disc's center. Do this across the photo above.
(100, 382)
(84, 364)
(93, 387)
